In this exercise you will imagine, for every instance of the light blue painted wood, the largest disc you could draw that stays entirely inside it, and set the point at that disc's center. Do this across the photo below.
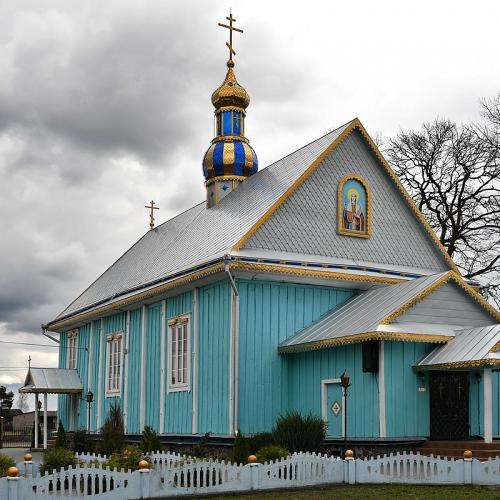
(153, 360)
(63, 399)
(178, 405)
(213, 389)
(96, 333)
(134, 375)
(476, 406)
(269, 313)
(307, 370)
(82, 367)
(496, 402)
(334, 395)
(407, 409)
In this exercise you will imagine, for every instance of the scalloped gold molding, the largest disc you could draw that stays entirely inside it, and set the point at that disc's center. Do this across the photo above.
(363, 337)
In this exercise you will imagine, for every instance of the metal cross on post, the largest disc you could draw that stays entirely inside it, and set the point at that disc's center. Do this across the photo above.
(151, 207)
(231, 28)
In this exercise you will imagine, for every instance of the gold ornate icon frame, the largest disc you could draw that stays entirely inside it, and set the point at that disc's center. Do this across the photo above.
(368, 226)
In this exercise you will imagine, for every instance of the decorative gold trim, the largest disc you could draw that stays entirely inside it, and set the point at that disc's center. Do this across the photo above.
(72, 333)
(450, 275)
(354, 124)
(462, 364)
(292, 271)
(100, 311)
(229, 138)
(366, 186)
(179, 319)
(224, 178)
(363, 337)
(496, 347)
(113, 336)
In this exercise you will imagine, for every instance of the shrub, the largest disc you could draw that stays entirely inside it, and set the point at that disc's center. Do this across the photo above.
(258, 441)
(5, 463)
(271, 452)
(150, 440)
(61, 440)
(57, 458)
(128, 458)
(82, 443)
(113, 438)
(297, 433)
(240, 449)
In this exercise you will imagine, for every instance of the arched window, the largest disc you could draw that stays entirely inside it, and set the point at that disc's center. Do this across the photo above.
(354, 207)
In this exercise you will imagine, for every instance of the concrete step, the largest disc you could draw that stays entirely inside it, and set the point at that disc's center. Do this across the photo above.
(464, 445)
(459, 452)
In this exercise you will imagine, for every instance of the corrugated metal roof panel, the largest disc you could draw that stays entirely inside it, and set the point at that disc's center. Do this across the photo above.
(470, 345)
(200, 234)
(52, 381)
(363, 313)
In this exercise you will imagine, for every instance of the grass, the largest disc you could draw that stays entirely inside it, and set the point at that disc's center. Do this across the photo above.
(376, 492)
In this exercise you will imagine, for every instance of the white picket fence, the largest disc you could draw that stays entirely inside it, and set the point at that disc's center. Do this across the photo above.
(172, 474)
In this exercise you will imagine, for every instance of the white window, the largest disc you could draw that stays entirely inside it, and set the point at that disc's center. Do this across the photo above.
(113, 364)
(179, 359)
(72, 348)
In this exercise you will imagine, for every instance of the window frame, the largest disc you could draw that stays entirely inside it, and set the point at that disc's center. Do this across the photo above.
(112, 340)
(173, 326)
(72, 356)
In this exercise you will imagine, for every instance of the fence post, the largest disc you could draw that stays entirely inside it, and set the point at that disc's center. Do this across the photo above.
(467, 467)
(28, 465)
(254, 472)
(13, 483)
(350, 468)
(145, 479)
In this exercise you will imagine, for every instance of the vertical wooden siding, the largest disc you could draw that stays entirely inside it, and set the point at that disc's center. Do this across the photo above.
(82, 367)
(96, 334)
(270, 313)
(178, 405)
(407, 409)
(134, 374)
(476, 403)
(152, 369)
(213, 389)
(306, 370)
(63, 399)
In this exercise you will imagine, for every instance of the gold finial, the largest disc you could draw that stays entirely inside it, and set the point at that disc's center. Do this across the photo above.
(151, 207)
(229, 44)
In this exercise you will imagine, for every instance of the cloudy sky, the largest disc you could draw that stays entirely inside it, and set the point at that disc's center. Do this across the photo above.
(105, 105)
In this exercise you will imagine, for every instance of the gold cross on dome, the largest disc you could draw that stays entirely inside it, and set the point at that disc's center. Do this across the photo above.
(231, 28)
(151, 207)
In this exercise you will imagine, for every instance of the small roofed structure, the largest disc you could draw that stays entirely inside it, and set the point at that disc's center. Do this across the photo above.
(49, 381)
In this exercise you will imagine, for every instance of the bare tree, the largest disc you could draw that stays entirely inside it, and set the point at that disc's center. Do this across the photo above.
(453, 173)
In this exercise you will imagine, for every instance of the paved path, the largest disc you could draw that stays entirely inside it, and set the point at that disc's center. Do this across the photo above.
(18, 454)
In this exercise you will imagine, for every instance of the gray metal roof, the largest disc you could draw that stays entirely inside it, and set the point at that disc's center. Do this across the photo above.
(472, 346)
(200, 235)
(364, 313)
(52, 381)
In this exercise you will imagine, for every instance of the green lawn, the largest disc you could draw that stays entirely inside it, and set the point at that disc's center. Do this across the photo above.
(372, 492)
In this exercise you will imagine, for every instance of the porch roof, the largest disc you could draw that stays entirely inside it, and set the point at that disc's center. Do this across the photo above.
(470, 347)
(52, 381)
(367, 316)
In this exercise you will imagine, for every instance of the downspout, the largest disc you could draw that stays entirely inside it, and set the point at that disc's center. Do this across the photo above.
(45, 334)
(233, 369)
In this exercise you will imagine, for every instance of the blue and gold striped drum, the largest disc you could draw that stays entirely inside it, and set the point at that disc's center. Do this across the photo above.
(229, 158)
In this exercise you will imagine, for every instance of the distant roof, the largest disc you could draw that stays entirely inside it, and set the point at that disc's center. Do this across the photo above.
(52, 381)
(471, 347)
(371, 315)
(199, 234)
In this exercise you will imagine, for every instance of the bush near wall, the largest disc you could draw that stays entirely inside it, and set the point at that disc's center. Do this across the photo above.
(5, 463)
(57, 458)
(298, 433)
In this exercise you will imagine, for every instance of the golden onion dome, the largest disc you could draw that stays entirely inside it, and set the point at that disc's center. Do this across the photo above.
(230, 93)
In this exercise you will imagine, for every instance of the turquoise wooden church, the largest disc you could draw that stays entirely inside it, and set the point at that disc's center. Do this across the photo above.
(254, 302)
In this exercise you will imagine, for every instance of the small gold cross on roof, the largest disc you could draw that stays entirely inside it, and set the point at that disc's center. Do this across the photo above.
(151, 207)
(231, 28)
